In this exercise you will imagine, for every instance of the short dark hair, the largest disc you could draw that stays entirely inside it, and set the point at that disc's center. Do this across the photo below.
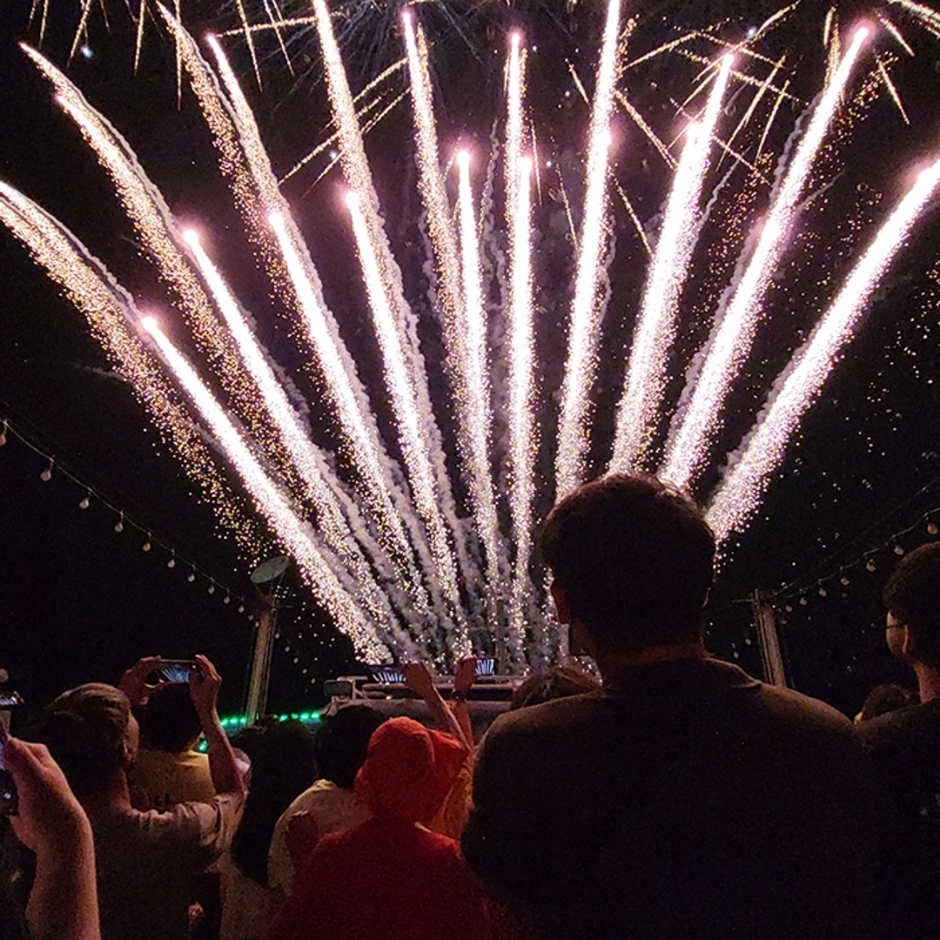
(912, 594)
(84, 730)
(169, 721)
(884, 699)
(342, 743)
(282, 767)
(635, 559)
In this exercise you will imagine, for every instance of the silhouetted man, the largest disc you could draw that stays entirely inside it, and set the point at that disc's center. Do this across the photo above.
(905, 751)
(684, 799)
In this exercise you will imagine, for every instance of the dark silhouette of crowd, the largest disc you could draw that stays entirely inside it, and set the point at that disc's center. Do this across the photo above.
(674, 798)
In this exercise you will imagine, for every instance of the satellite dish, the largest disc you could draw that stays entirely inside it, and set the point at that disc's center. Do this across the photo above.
(270, 570)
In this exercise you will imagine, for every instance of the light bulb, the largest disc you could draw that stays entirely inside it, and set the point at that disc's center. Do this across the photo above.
(46, 475)
(146, 546)
(84, 503)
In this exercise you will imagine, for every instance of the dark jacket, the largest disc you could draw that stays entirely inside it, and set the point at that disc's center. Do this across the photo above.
(684, 800)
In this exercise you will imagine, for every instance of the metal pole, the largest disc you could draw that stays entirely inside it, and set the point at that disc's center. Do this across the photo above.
(768, 640)
(261, 662)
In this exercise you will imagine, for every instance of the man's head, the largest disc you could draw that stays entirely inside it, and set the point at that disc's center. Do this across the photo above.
(169, 721)
(632, 561)
(91, 734)
(343, 741)
(912, 599)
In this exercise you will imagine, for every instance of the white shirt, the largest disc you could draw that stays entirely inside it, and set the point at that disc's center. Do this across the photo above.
(334, 810)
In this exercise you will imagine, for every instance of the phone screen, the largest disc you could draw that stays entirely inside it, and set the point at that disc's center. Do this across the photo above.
(7, 786)
(177, 670)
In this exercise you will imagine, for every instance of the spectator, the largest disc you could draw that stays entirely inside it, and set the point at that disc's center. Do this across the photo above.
(684, 799)
(331, 804)
(905, 750)
(558, 682)
(63, 902)
(452, 816)
(390, 878)
(282, 766)
(883, 699)
(145, 861)
(168, 769)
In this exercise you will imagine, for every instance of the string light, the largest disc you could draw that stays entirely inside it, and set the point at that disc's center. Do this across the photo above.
(146, 546)
(3, 434)
(172, 562)
(931, 528)
(119, 525)
(85, 501)
(46, 474)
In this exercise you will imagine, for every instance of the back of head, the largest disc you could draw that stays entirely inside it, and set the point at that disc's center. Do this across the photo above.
(282, 767)
(912, 594)
(635, 560)
(85, 730)
(169, 721)
(408, 771)
(558, 682)
(343, 741)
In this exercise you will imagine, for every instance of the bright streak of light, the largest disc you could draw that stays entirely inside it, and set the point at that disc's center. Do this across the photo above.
(248, 39)
(515, 126)
(634, 218)
(273, 505)
(585, 315)
(928, 16)
(659, 309)
(410, 423)
(362, 437)
(651, 135)
(308, 462)
(479, 414)
(892, 89)
(735, 329)
(461, 295)
(522, 441)
(147, 210)
(751, 470)
(109, 310)
(245, 162)
(895, 32)
(139, 44)
(386, 286)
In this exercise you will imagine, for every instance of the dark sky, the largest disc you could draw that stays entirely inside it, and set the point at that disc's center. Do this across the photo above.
(80, 601)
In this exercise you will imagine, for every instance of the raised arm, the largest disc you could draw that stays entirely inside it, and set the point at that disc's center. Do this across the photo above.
(63, 904)
(418, 679)
(204, 690)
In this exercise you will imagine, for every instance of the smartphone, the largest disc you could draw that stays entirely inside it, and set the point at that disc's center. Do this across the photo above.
(177, 670)
(8, 802)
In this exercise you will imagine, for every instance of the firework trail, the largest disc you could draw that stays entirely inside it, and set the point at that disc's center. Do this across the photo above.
(109, 309)
(245, 163)
(752, 467)
(464, 314)
(515, 126)
(585, 314)
(307, 459)
(274, 506)
(522, 442)
(735, 328)
(407, 414)
(154, 221)
(659, 309)
(478, 391)
(403, 362)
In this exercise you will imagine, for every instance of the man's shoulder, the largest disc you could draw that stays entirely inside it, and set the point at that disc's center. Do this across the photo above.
(548, 717)
(905, 726)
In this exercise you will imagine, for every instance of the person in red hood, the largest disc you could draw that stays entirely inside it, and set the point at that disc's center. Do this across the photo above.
(390, 877)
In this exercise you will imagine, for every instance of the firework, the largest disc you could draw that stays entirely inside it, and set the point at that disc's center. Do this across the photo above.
(585, 308)
(383, 548)
(659, 310)
(738, 323)
(273, 505)
(751, 469)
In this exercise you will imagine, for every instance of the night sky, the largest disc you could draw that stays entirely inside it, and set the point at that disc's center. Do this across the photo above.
(81, 602)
